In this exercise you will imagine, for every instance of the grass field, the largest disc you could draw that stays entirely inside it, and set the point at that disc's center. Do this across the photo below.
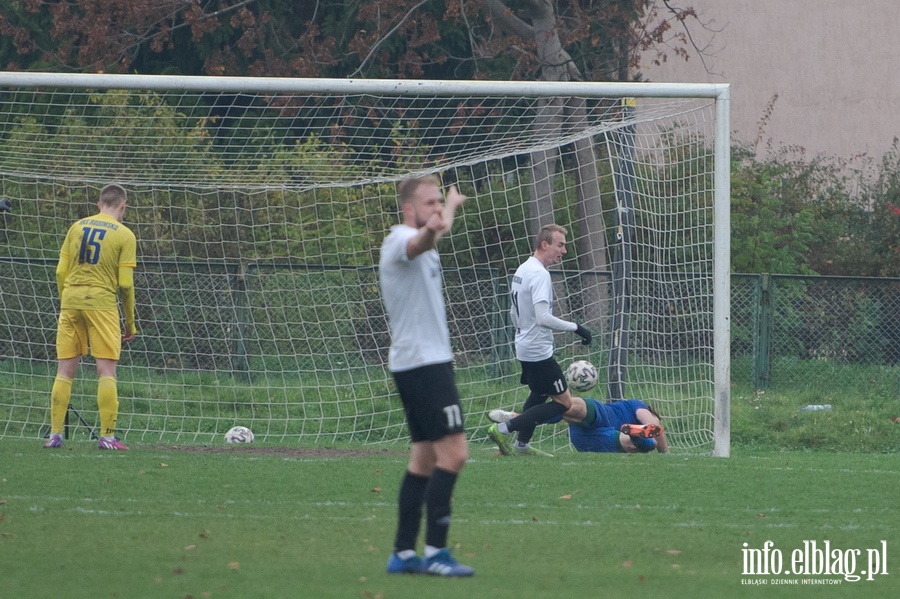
(264, 522)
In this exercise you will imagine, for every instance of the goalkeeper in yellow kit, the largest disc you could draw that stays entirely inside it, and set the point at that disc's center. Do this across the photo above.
(96, 265)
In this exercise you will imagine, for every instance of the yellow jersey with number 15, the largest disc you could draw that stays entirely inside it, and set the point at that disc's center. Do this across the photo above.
(94, 249)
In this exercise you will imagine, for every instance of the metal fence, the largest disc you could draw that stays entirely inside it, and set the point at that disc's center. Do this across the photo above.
(781, 321)
(203, 317)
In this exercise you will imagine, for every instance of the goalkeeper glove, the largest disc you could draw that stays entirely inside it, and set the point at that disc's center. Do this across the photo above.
(584, 333)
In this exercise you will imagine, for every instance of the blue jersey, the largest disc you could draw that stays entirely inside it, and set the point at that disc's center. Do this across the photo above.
(602, 435)
(616, 413)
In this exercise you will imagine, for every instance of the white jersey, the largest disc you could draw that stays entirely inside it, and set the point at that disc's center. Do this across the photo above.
(531, 285)
(413, 296)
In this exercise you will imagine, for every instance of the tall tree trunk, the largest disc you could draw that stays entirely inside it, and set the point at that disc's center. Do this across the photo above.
(591, 240)
(555, 117)
(547, 124)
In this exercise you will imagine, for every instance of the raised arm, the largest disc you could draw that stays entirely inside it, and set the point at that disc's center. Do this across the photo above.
(453, 201)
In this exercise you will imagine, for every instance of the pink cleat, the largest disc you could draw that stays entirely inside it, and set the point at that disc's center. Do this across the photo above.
(113, 443)
(54, 441)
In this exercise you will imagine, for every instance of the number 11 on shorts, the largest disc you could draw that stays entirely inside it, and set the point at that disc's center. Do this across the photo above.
(454, 417)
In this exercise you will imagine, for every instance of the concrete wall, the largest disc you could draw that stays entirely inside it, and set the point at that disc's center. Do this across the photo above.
(834, 65)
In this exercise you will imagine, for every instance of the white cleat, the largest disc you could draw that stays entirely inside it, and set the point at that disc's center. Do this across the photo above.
(501, 415)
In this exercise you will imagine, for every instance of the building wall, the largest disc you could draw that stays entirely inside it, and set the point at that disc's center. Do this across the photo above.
(834, 66)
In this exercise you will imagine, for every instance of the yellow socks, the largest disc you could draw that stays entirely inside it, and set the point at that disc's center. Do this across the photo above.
(108, 404)
(60, 395)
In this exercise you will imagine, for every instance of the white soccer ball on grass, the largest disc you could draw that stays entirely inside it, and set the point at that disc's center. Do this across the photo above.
(239, 434)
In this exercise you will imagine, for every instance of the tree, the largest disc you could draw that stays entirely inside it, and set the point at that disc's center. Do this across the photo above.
(561, 40)
(771, 215)
(505, 39)
(859, 233)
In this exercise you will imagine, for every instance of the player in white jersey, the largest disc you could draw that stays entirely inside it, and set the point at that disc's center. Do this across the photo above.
(421, 361)
(532, 315)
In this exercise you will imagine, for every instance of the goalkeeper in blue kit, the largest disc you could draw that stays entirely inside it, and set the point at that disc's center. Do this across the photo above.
(624, 426)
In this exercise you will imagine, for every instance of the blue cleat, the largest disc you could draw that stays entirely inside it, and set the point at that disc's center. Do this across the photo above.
(443, 564)
(397, 565)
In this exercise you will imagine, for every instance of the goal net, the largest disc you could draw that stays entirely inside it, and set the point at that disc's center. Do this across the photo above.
(259, 206)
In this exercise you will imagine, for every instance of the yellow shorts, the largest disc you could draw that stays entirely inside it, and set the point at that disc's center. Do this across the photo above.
(79, 329)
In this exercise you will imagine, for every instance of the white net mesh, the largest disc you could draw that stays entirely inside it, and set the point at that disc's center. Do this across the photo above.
(259, 216)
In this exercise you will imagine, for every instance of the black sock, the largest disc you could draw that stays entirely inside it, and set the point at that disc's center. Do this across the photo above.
(437, 502)
(412, 496)
(533, 401)
(535, 416)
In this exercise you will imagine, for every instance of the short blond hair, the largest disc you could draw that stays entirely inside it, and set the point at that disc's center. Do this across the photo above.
(546, 234)
(113, 195)
(406, 189)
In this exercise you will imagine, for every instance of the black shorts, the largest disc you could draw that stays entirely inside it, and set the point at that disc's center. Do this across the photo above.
(431, 401)
(544, 377)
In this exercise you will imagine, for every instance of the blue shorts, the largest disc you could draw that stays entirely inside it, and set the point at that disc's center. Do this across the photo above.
(603, 435)
(595, 439)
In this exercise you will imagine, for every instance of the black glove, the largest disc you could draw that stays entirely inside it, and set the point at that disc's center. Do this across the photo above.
(585, 335)
(5, 206)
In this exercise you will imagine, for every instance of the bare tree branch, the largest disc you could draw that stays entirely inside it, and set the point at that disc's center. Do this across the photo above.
(556, 63)
(506, 20)
(375, 46)
(679, 12)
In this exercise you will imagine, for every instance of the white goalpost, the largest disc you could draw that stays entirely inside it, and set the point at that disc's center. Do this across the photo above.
(259, 205)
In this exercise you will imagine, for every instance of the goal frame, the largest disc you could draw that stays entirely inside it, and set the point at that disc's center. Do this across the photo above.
(720, 93)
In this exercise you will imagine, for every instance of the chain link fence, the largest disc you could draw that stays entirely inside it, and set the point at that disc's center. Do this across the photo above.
(219, 317)
(780, 322)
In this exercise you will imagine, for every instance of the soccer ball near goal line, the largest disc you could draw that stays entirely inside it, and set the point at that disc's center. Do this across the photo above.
(239, 434)
(581, 375)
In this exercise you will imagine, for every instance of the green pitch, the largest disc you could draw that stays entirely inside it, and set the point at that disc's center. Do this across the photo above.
(266, 522)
